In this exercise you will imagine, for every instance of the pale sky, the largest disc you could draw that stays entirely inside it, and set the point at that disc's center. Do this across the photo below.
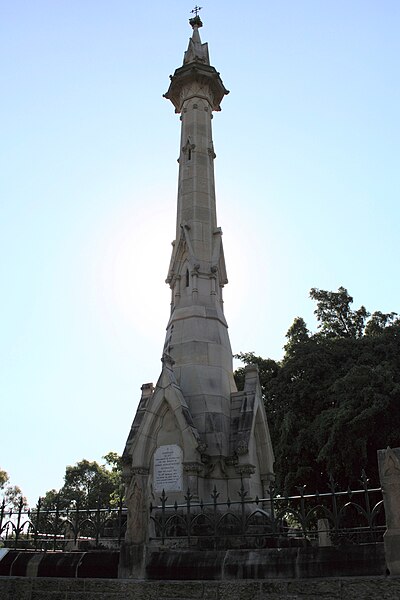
(307, 180)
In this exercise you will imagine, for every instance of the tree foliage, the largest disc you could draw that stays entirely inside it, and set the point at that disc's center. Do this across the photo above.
(3, 478)
(11, 494)
(335, 317)
(87, 483)
(334, 399)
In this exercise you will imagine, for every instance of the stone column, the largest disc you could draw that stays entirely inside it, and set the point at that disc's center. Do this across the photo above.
(266, 480)
(132, 553)
(177, 289)
(195, 275)
(324, 536)
(192, 470)
(245, 470)
(213, 278)
(389, 473)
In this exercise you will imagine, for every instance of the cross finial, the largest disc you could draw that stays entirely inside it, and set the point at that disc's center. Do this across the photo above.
(196, 10)
(196, 21)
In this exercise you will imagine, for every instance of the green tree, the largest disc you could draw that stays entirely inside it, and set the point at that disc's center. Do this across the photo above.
(335, 317)
(88, 484)
(114, 468)
(11, 495)
(379, 321)
(3, 478)
(297, 335)
(334, 399)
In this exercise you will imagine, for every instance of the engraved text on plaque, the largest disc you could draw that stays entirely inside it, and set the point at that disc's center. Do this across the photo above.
(168, 469)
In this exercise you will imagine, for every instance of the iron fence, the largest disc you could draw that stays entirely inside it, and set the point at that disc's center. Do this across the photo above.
(331, 518)
(61, 528)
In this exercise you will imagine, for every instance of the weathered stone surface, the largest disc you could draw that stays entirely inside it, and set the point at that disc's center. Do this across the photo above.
(48, 596)
(105, 585)
(278, 597)
(321, 588)
(102, 564)
(370, 589)
(274, 587)
(184, 565)
(362, 588)
(364, 559)
(47, 585)
(15, 589)
(389, 474)
(260, 564)
(131, 561)
(270, 563)
(313, 597)
(248, 590)
(192, 589)
(97, 596)
(210, 591)
(72, 585)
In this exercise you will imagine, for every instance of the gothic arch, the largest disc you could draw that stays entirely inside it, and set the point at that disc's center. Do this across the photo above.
(165, 399)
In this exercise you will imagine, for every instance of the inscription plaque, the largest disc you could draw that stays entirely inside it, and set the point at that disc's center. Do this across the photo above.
(168, 469)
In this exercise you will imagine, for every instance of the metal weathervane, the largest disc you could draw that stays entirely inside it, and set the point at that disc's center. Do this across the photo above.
(196, 10)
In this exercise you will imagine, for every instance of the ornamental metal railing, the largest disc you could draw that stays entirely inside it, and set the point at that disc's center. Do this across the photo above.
(61, 528)
(330, 518)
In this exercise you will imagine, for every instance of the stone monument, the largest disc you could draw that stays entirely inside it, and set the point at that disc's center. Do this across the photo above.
(389, 474)
(194, 430)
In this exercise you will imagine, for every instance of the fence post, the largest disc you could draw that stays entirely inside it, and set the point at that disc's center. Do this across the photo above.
(37, 523)
(389, 473)
(242, 495)
(303, 513)
(3, 506)
(332, 487)
(214, 497)
(56, 519)
(120, 504)
(188, 499)
(98, 521)
(364, 483)
(76, 524)
(271, 493)
(163, 516)
(18, 528)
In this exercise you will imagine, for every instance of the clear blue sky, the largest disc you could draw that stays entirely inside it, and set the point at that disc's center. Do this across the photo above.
(308, 188)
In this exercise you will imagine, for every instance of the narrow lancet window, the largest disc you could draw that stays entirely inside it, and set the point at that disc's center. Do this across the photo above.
(189, 154)
(187, 277)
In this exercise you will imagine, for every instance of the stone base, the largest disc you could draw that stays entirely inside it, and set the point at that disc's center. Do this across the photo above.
(279, 563)
(132, 561)
(350, 588)
(29, 563)
(138, 562)
(391, 539)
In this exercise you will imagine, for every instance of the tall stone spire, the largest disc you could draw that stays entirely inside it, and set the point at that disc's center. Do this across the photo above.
(196, 52)
(194, 430)
(197, 337)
